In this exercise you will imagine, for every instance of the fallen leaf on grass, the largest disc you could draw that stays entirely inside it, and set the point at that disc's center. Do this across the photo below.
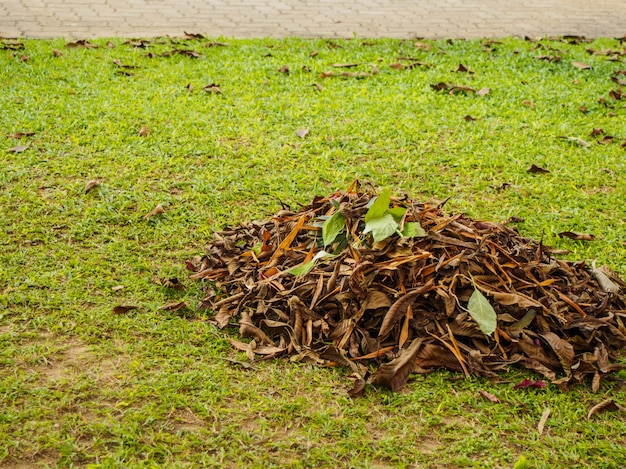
(608, 405)
(469, 118)
(19, 135)
(358, 389)
(170, 307)
(144, 131)
(185, 52)
(576, 236)
(117, 288)
(91, 185)
(489, 396)
(527, 383)
(483, 92)
(192, 35)
(534, 169)
(57, 52)
(155, 211)
(284, 69)
(317, 86)
(577, 140)
(173, 283)
(302, 132)
(18, 149)
(581, 65)
(124, 66)
(463, 69)
(81, 43)
(543, 420)
(123, 309)
(347, 65)
(451, 88)
(212, 88)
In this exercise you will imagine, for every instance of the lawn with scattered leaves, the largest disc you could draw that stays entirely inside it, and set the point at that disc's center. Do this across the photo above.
(120, 158)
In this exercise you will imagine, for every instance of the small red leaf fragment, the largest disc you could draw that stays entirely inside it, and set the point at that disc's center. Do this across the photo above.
(526, 383)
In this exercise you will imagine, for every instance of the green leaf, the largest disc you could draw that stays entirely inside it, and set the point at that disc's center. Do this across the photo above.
(332, 227)
(482, 312)
(413, 230)
(380, 206)
(521, 463)
(302, 269)
(397, 213)
(381, 227)
(305, 268)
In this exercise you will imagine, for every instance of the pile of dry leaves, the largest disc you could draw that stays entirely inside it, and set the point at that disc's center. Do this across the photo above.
(375, 282)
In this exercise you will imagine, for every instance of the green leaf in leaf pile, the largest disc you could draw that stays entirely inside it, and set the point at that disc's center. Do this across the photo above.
(380, 206)
(482, 312)
(413, 230)
(382, 227)
(332, 227)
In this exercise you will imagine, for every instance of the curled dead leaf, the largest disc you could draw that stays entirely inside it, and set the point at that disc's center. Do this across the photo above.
(144, 131)
(91, 185)
(155, 211)
(542, 422)
(608, 405)
(395, 374)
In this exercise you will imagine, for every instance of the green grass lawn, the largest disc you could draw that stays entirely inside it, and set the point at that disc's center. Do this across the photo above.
(83, 387)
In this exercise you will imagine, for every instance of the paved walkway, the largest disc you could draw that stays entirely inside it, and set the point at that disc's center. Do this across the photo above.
(312, 18)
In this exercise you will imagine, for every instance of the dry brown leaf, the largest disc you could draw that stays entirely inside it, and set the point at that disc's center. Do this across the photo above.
(212, 88)
(117, 288)
(123, 309)
(581, 65)
(144, 131)
(18, 149)
(395, 374)
(608, 405)
(302, 132)
(398, 309)
(57, 52)
(489, 396)
(91, 185)
(576, 236)
(534, 169)
(155, 211)
(176, 306)
(542, 422)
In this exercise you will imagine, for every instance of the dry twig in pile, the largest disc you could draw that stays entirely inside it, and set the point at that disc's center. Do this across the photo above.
(356, 278)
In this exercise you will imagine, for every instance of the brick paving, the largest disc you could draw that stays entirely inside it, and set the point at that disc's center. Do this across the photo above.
(312, 18)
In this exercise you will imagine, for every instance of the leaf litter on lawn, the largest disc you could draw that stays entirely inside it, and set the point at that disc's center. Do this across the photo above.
(359, 278)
